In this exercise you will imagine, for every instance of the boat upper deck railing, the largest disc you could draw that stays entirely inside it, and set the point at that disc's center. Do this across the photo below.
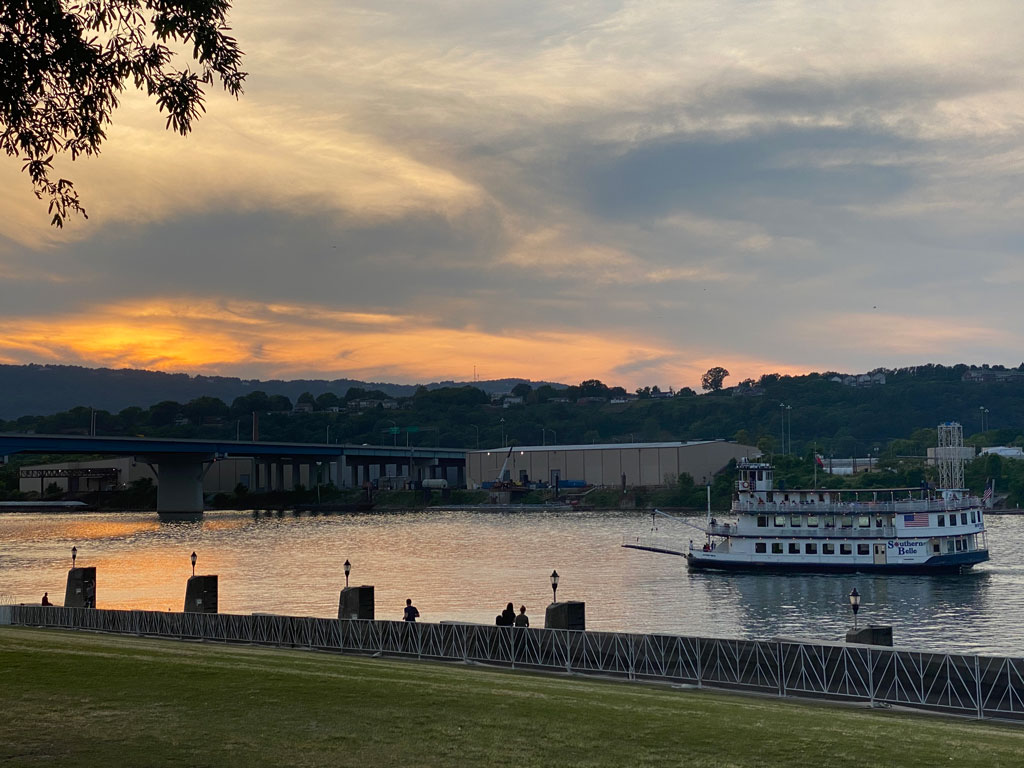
(814, 507)
(830, 532)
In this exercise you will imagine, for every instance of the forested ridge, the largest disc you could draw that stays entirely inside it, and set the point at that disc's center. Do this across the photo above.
(789, 417)
(818, 412)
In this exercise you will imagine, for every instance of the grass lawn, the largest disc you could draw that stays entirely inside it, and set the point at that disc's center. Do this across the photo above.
(80, 699)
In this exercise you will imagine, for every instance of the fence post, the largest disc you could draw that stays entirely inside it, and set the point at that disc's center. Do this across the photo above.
(632, 642)
(782, 676)
(700, 666)
(977, 681)
(871, 677)
(568, 651)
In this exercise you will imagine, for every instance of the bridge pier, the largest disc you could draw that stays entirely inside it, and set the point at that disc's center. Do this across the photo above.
(179, 486)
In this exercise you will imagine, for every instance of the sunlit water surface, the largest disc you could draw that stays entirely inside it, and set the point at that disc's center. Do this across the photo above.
(466, 566)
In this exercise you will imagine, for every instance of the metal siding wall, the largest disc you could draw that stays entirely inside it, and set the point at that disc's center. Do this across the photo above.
(540, 466)
(611, 467)
(574, 466)
(592, 467)
(631, 465)
(649, 470)
(669, 465)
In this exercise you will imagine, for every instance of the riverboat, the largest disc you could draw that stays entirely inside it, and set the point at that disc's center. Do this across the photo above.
(896, 530)
(892, 530)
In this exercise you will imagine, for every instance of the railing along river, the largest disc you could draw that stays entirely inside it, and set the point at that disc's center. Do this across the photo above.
(973, 686)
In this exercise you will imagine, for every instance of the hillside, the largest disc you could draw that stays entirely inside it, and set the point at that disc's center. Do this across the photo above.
(40, 390)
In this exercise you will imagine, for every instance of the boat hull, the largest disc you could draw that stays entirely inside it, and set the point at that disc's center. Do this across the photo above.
(955, 563)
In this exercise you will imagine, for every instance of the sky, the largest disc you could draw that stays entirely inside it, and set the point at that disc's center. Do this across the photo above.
(629, 191)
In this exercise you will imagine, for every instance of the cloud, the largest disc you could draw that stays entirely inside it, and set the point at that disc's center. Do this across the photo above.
(410, 190)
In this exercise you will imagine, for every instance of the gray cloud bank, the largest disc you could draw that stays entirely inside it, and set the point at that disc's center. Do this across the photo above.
(742, 180)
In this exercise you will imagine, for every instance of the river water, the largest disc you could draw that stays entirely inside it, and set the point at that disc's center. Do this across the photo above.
(466, 565)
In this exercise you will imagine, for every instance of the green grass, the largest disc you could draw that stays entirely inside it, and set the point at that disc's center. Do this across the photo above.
(81, 699)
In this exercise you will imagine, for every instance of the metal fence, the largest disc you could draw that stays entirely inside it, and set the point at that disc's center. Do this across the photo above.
(973, 686)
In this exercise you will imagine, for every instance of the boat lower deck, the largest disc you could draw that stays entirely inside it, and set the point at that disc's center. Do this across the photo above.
(953, 563)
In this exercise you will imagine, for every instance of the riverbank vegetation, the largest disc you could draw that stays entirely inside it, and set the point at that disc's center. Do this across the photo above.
(93, 700)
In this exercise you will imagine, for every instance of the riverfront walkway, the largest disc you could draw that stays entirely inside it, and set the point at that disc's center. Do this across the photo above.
(83, 699)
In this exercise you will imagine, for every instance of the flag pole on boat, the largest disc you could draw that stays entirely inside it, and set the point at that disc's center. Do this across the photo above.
(709, 514)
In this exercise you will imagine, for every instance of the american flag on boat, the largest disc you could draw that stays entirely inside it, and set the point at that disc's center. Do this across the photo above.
(916, 520)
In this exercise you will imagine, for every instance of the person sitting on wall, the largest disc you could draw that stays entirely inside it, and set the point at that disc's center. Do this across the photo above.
(46, 599)
(522, 620)
(507, 617)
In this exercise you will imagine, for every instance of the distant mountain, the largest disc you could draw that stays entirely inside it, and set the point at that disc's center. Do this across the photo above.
(27, 390)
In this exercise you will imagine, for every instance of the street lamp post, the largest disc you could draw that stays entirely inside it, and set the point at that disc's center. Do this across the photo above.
(394, 431)
(855, 606)
(782, 413)
(477, 430)
(789, 411)
(348, 570)
(74, 556)
(554, 586)
(502, 421)
(194, 558)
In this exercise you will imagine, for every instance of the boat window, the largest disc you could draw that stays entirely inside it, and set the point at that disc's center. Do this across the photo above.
(760, 547)
(878, 522)
(845, 549)
(942, 520)
(959, 545)
(812, 521)
(776, 547)
(821, 497)
(949, 545)
(864, 521)
(830, 521)
(762, 521)
(828, 549)
(963, 518)
(973, 519)
(863, 549)
(811, 548)
(794, 521)
(847, 521)
(935, 547)
(794, 548)
(780, 521)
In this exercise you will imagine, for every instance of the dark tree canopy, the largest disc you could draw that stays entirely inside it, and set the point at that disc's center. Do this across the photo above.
(714, 378)
(64, 63)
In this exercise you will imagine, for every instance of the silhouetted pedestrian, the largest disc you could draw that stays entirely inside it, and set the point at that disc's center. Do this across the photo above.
(411, 614)
(46, 598)
(508, 616)
(522, 620)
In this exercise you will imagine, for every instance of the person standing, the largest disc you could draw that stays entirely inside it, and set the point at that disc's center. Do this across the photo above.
(522, 620)
(508, 616)
(411, 614)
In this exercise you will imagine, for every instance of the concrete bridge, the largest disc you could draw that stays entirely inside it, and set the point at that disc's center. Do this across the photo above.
(180, 465)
